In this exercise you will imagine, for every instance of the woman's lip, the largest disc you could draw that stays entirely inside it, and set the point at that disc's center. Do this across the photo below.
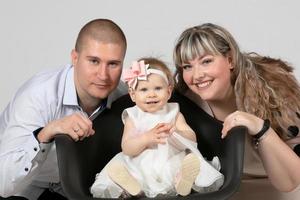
(204, 84)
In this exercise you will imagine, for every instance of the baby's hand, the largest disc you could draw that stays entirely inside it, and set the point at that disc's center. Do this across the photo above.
(172, 129)
(159, 133)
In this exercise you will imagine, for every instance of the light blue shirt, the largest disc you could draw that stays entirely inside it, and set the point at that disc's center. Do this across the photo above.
(23, 160)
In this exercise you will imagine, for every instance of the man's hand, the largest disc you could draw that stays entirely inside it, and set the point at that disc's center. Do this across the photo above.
(76, 125)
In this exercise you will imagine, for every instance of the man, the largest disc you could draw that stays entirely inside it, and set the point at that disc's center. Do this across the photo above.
(63, 101)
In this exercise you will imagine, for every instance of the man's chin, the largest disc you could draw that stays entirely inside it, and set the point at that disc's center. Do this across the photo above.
(102, 96)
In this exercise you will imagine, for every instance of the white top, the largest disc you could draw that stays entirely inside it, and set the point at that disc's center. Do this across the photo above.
(45, 97)
(155, 168)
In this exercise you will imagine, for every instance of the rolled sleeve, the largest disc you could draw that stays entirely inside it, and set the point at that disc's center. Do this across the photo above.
(20, 152)
(20, 165)
(37, 102)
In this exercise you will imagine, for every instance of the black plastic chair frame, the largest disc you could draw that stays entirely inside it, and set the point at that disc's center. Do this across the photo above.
(80, 161)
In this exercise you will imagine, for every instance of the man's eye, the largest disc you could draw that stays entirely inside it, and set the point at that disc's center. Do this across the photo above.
(158, 88)
(113, 64)
(94, 62)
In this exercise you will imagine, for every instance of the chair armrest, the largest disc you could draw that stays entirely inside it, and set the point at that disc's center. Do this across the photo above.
(234, 144)
(70, 164)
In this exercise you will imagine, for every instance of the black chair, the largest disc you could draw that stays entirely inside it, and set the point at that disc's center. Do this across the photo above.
(79, 161)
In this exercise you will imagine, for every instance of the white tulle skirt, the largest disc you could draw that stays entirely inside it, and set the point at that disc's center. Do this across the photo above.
(156, 168)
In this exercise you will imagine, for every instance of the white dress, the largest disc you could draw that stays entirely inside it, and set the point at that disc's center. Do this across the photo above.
(156, 168)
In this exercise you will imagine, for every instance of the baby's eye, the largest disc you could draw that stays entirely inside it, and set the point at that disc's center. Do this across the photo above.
(143, 89)
(158, 88)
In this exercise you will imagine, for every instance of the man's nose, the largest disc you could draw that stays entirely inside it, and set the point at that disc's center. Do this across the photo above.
(102, 71)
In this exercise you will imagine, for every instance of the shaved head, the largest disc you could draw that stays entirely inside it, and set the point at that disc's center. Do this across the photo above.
(101, 30)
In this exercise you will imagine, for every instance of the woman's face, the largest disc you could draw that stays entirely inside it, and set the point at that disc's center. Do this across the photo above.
(209, 77)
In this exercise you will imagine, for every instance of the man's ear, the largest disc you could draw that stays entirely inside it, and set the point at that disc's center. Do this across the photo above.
(132, 94)
(74, 57)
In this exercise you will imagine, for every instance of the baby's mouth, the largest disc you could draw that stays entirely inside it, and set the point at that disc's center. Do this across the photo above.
(151, 102)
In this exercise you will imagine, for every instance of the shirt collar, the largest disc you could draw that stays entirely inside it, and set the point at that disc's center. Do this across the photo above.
(99, 109)
(70, 94)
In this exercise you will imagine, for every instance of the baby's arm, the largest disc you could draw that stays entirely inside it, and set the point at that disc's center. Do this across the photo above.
(184, 129)
(134, 144)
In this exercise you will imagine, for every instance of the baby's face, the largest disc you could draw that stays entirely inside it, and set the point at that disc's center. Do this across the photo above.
(151, 95)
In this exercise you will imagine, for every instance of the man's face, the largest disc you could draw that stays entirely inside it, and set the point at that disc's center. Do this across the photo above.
(97, 70)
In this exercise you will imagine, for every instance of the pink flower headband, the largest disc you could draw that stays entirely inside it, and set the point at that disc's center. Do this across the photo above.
(140, 71)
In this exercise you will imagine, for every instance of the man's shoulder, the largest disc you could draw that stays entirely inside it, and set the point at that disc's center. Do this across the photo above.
(47, 84)
(51, 74)
(46, 79)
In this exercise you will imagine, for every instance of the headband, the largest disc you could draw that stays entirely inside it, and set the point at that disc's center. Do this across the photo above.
(140, 71)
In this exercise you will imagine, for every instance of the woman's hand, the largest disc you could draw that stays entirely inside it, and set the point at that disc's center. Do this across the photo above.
(239, 118)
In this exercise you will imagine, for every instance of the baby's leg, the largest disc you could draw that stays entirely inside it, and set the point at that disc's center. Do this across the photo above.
(120, 175)
(189, 170)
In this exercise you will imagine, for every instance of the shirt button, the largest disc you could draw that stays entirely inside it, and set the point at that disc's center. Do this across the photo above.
(43, 150)
(35, 149)
(26, 169)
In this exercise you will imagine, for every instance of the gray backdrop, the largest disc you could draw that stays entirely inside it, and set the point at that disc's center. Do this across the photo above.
(38, 35)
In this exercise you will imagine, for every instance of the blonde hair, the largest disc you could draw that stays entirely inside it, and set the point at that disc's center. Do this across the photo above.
(263, 86)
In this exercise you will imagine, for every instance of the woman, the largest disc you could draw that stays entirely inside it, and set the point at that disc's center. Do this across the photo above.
(258, 92)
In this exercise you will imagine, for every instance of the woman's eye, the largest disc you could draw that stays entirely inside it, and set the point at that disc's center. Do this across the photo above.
(186, 67)
(143, 89)
(206, 61)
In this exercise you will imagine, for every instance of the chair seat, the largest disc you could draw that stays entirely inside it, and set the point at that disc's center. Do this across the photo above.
(80, 161)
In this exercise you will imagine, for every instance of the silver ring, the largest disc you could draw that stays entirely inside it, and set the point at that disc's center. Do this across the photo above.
(76, 130)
